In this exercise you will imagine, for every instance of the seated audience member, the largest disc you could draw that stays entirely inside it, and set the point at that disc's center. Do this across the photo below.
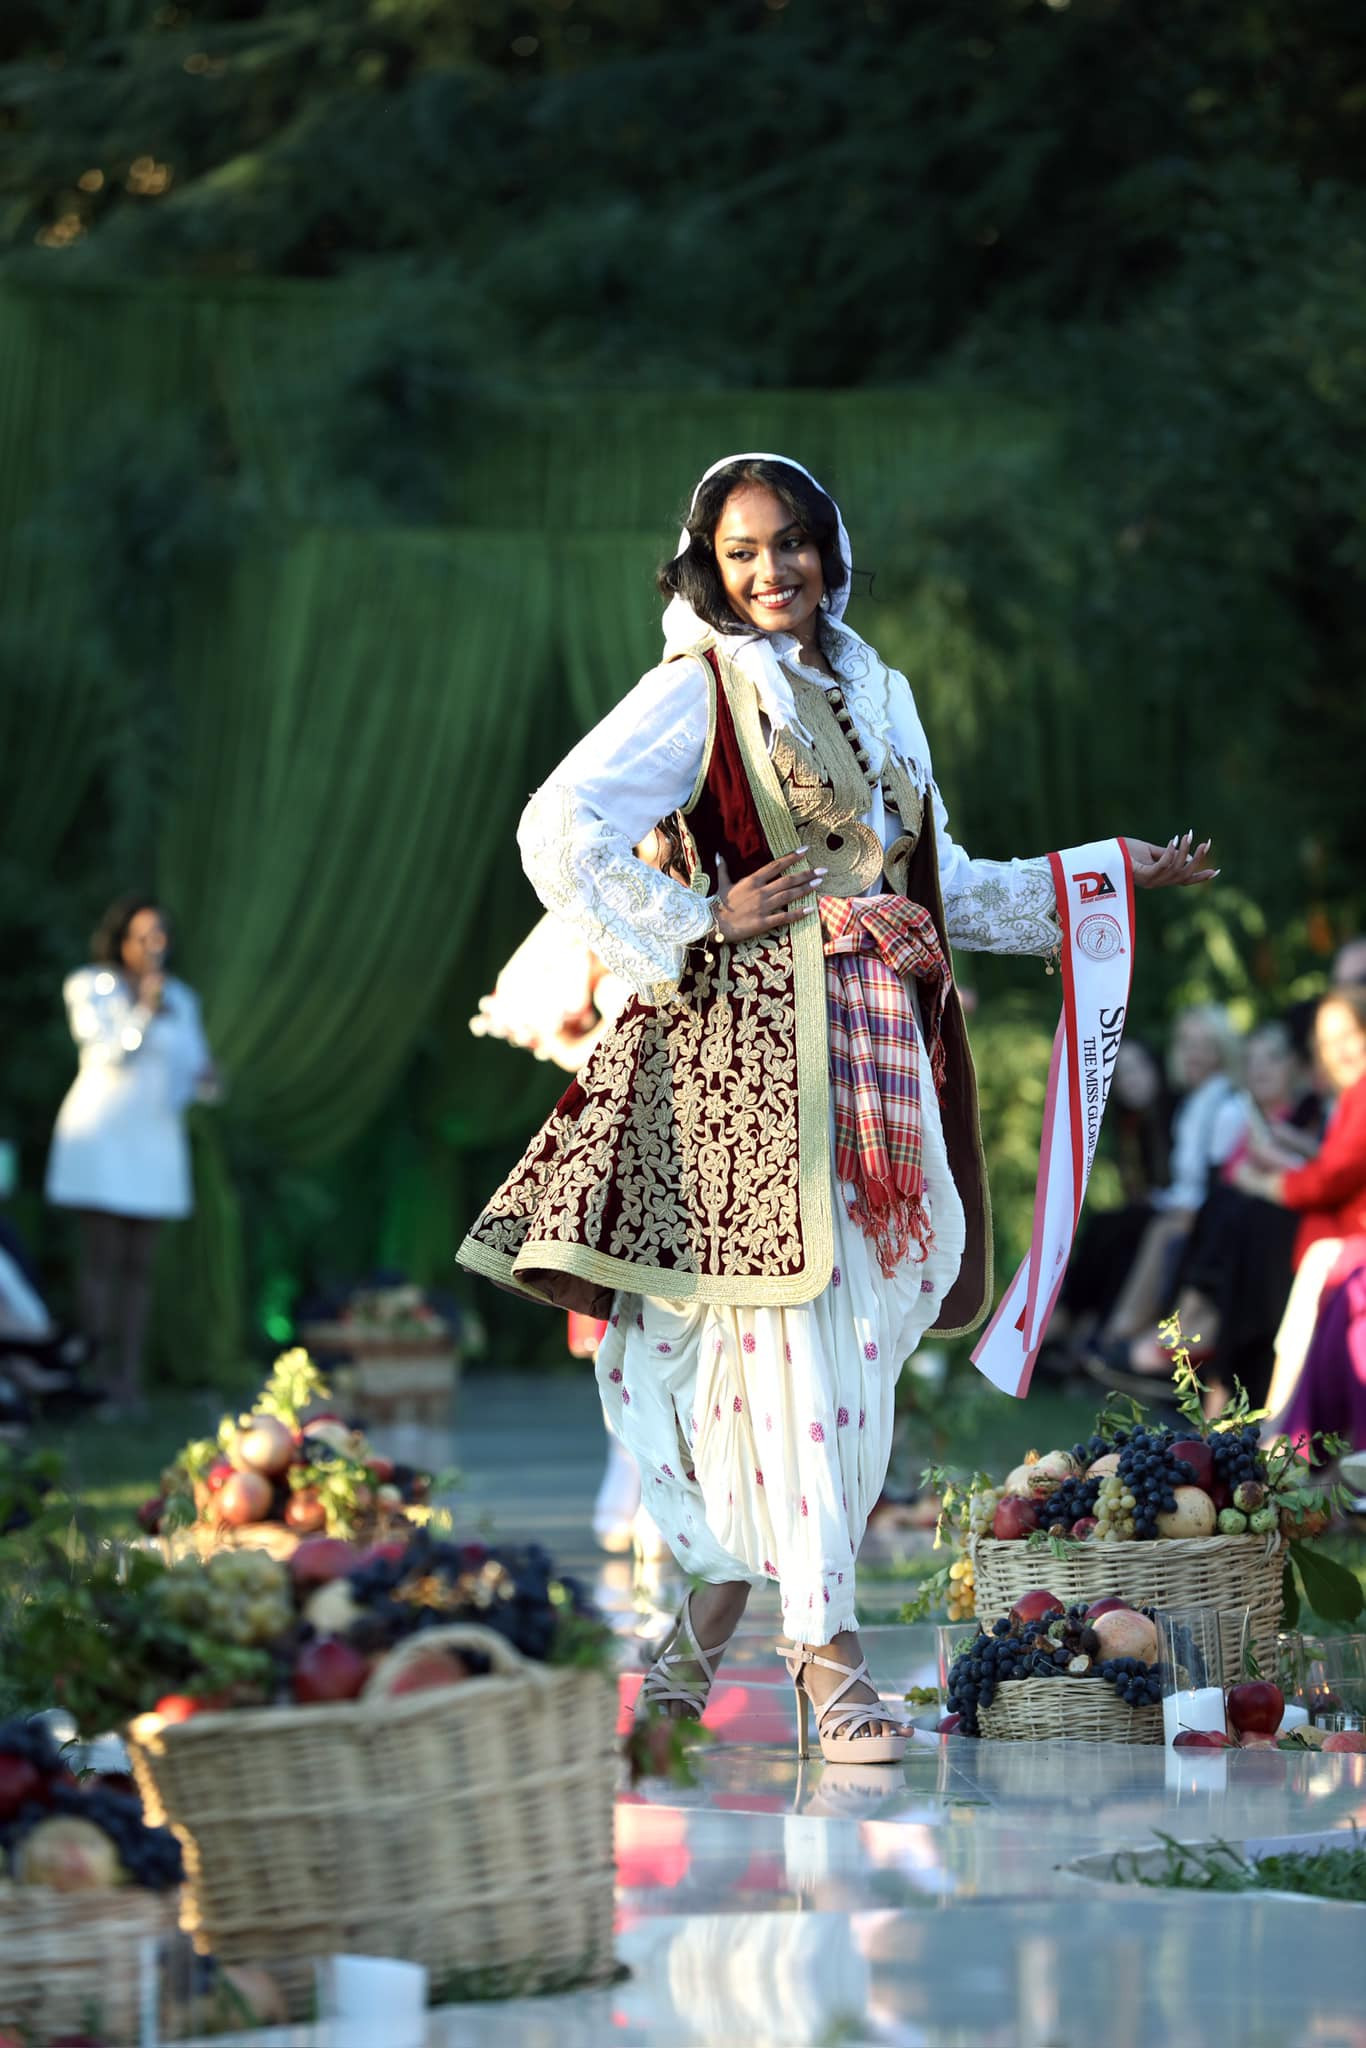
(1327, 1194)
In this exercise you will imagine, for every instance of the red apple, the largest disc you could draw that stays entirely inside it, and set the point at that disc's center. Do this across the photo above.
(1084, 1528)
(1221, 1493)
(244, 1498)
(1036, 1604)
(1014, 1518)
(305, 1512)
(323, 1558)
(1200, 1738)
(20, 1782)
(183, 1706)
(1346, 1742)
(218, 1474)
(1107, 1606)
(1194, 1452)
(1256, 1707)
(327, 1670)
(949, 1725)
(266, 1445)
(433, 1668)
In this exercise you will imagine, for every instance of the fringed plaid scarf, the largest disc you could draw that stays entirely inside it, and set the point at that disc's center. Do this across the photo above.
(873, 946)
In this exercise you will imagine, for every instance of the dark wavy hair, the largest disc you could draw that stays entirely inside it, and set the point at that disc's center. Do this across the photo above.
(695, 575)
(106, 945)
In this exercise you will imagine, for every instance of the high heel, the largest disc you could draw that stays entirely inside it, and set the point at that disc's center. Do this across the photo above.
(660, 1689)
(837, 1726)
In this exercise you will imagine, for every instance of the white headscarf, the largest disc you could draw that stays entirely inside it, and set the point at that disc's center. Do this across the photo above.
(758, 655)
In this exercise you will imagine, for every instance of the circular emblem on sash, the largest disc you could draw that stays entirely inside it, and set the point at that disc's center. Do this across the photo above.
(1100, 937)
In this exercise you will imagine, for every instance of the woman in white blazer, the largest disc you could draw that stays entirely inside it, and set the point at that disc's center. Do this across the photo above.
(120, 1153)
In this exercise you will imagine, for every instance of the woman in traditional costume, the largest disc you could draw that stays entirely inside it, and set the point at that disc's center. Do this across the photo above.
(769, 1176)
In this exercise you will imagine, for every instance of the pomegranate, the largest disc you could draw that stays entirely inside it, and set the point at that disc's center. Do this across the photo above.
(1014, 1518)
(1257, 1707)
(305, 1512)
(1126, 1634)
(322, 1558)
(327, 1670)
(244, 1498)
(265, 1445)
(1196, 1455)
(1346, 1742)
(69, 1855)
(1035, 1604)
(20, 1782)
(1200, 1738)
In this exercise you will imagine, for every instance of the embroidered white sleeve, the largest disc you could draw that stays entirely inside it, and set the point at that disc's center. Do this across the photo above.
(579, 830)
(995, 906)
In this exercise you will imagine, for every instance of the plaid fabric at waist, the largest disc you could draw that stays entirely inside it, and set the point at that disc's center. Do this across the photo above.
(874, 947)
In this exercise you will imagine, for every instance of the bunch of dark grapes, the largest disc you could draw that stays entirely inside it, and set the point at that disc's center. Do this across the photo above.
(1095, 1447)
(1235, 1454)
(35, 1743)
(1151, 1474)
(1067, 1504)
(513, 1590)
(151, 1856)
(1138, 1684)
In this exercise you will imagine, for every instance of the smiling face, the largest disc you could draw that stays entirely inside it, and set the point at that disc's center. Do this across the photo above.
(770, 566)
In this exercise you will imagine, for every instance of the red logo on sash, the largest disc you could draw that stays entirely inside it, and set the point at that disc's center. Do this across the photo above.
(1094, 885)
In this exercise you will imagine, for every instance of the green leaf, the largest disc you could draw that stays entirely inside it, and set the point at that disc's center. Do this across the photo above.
(1331, 1590)
(1290, 1596)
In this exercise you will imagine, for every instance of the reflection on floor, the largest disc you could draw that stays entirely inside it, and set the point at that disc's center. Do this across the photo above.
(787, 1903)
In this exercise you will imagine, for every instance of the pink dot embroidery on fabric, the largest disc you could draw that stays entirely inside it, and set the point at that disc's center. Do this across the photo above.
(626, 1397)
(658, 1480)
(667, 1470)
(690, 1475)
(615, 1320)
(803, 1503)
(716, 1411)
(927, 1287)
(686, 1541)
(758, 1477)
(692, 1424)
(836, 1277)
(840, 1577)
(862, 1417)
(827, 1596)
(738, 1405)
(771, 1569)
(768, 1422)
(810, 1599)
(665, 1348)
(817, 1433)
(640, 1322)
(844, 1500)
(842, 1419)
(747, 1341)
(615, 1375)
(870, 1350)
(787, 1353)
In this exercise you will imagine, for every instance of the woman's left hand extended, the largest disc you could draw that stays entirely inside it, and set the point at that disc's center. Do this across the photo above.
(1175, 865)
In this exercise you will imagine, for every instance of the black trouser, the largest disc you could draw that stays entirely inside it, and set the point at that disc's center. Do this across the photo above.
(117, 1255)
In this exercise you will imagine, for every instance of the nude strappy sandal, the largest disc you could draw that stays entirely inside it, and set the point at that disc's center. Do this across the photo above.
(837, 1725)
(661, 1688)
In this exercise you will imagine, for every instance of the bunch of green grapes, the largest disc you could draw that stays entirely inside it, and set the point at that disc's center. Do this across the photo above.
(183, 1594)
(248, 1597)
(1114, 1512)
(982, 1511)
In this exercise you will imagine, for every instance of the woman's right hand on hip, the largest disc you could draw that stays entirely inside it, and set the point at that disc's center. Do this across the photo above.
(765, 901)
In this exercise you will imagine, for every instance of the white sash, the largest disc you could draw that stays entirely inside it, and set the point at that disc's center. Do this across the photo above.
(1095, 891)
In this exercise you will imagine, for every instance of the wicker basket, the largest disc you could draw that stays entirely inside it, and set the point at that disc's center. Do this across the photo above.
(71, 1962)
(1077, 1709)
(468, 1828)
(1230, 1572)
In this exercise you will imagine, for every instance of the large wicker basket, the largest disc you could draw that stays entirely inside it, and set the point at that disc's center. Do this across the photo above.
(1078, 1709)
(1229, 1572)
(468, 1828)
(70, 1962)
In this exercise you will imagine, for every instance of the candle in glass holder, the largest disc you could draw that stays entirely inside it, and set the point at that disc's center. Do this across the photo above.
(1198, 1707)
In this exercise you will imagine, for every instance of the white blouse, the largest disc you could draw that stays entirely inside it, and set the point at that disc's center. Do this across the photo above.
(643, 760)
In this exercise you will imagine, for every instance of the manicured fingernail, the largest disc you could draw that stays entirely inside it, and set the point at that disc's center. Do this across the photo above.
(818, 872)
(1171, 842)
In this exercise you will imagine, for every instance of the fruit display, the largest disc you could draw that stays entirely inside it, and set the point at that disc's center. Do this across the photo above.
(290, 1468)
(70, 1834)
(1043, 1639)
